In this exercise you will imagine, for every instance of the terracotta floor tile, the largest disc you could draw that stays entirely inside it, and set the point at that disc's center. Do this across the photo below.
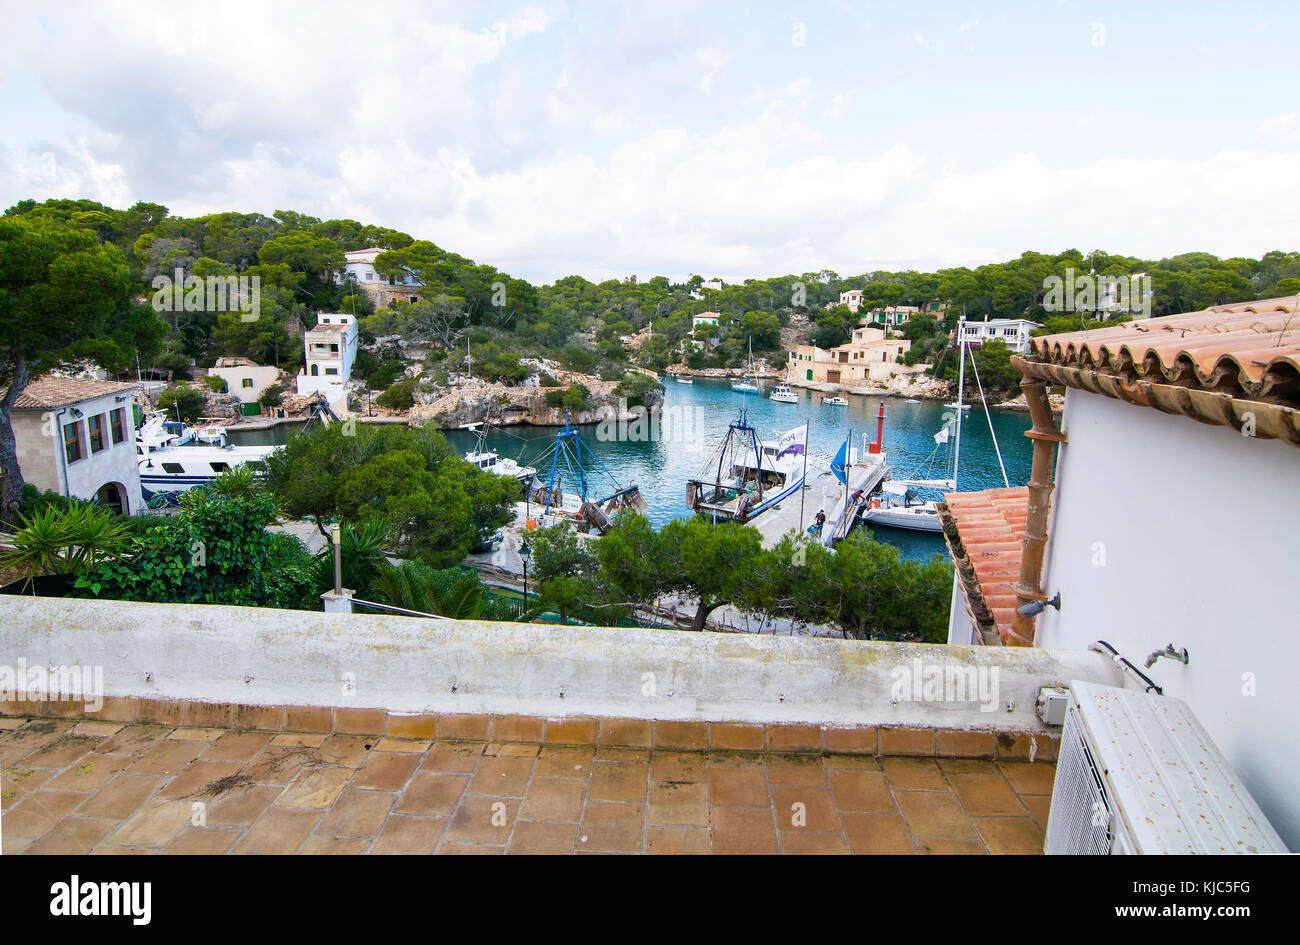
(469, 849)
(39, 811)
(407, 834)
(236, 746)
(200, 778)
(317, 845)
(743, 830)
(985, 795)
(1009, 834)
(678, 804)
(133, 740)
(612, 826)
(196, 734)
(853, 762)
(800, 843)
(452, 757)
(241, 805)
(1029, 777)
(877, 833)
(677, 841)
(204, 841)
(315, 787)
(432, 795)
(36, 733)
(795, 771)
(804, 808)
(485, 820)
(13, 846)
(120, 797)
(278, 765)
(950, 846)
(167, 757)
(967, 766)
(738, 787)
(345, 751)
(279, 831)
(866, 791)
(1039, 806)
(153, 824)
(357, 814)
(62, 751)
(535, 837)
(737, 759)
(501, 777)
(386, 771)
(560, 762)
(913, 774)
(609, 753)
(679, 766)
(16, 783)
(89, 774)
(618, 781)
(555, 799)
(933, 814)
(71, 836)
(108, 849)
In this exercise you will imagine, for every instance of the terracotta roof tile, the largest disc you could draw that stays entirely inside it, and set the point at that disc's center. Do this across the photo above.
(1228, 365)
(48, 392)
(984, 532)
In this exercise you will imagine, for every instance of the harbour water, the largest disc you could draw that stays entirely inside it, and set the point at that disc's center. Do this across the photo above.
(661, 458)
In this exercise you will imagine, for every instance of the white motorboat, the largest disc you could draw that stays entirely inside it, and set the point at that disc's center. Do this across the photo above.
(684, 379)
(836, 401)
(490, 461)
(957, 406)
(170, 470)
(783, 394)
(898, 507)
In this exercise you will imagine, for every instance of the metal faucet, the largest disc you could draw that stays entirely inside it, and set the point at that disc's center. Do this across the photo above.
(1169, 651)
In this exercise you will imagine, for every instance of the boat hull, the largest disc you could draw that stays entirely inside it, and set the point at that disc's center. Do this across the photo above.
(914, 519)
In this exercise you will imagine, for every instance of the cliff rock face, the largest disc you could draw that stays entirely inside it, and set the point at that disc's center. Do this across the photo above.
(506, 406)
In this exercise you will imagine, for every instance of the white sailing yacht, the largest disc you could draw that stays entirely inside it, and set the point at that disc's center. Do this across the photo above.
(747, 385)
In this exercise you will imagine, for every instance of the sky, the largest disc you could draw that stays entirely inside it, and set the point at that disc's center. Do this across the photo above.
(732, 140)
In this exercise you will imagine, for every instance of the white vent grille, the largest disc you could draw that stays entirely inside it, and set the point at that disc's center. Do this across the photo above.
(1080, 819)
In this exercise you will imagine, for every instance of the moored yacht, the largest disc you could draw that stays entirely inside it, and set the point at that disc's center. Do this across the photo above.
(783, 394)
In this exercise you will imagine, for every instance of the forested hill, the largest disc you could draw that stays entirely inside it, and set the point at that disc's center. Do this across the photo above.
(574, 319)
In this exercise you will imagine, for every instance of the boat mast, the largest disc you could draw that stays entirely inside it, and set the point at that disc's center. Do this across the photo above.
(961, 388)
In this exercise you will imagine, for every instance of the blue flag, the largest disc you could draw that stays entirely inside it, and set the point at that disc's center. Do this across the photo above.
(841, 461)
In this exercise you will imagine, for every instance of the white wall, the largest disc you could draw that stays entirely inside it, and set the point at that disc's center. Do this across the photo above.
(1200, 532)
(262, 378)
(259, 656)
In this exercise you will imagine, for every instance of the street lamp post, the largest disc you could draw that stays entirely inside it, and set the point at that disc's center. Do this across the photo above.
(524, 552)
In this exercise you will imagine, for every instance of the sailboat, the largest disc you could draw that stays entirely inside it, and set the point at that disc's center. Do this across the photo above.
(898, 504)
(747, 386)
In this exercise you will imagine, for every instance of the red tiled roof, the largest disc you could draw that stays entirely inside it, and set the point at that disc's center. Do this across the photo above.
(984, 531)
(48, 392)
(1229, 365)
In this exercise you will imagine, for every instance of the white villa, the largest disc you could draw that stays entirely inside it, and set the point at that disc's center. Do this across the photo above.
(1016, 332)
(383, 289)
(244, 379)
(76, 437)
(331, 349)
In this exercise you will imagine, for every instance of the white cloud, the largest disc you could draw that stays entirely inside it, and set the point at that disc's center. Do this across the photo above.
(834, 110)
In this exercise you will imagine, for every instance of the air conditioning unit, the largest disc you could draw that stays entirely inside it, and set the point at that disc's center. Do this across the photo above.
(1137, 773)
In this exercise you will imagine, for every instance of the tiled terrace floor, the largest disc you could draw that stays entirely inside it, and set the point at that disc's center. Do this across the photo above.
(97, 787)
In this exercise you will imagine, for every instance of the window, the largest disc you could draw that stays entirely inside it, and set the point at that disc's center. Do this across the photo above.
(118, 420)
(246, 382)
(96, 425)
(219, 467)
(72, 445)
(334, 349)
(173, 468)
(331, 370)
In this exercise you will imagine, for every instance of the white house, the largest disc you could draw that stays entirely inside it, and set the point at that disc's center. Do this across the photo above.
(715, 284)
(243, 378)
(76, 437)
(1016, 332)
(1171, 521)
(331, 349)
(360, 267)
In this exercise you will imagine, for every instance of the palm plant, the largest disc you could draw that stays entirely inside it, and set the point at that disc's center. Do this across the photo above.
(452, 593)
(362, 549)
(65, 541)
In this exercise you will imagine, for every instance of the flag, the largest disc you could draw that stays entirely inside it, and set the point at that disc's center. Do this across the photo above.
(840, 462)
(794, 442)
(941, 436)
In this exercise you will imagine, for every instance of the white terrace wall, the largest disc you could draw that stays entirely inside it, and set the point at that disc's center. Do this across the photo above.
(267, 657)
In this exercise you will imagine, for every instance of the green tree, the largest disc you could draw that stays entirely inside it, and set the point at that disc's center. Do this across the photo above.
(64, 296)
(182, 400)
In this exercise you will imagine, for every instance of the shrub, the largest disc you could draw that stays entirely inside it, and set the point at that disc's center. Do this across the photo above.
(183, 399)
(272, 396)
(216, 384)
(577, 397)
(401, 396)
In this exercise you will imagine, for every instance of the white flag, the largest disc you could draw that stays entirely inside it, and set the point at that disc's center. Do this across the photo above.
(795, 442)
(941, 436)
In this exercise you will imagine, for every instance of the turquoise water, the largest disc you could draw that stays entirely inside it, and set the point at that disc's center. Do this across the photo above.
(696, 418)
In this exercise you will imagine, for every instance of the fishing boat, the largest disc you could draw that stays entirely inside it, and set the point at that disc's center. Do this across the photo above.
(783, 394)
(492, 462)
(836, 401)
(747, 385)
(584, 508)
(744, 477)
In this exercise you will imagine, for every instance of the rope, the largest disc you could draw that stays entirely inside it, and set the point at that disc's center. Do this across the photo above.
(989, 417)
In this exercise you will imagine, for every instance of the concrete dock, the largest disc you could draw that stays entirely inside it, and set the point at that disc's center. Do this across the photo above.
(826, 493)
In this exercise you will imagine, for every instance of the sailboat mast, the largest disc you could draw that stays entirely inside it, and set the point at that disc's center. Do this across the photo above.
(961, 388)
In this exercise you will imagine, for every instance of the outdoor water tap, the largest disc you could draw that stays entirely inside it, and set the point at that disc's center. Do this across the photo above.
(1169, 651)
